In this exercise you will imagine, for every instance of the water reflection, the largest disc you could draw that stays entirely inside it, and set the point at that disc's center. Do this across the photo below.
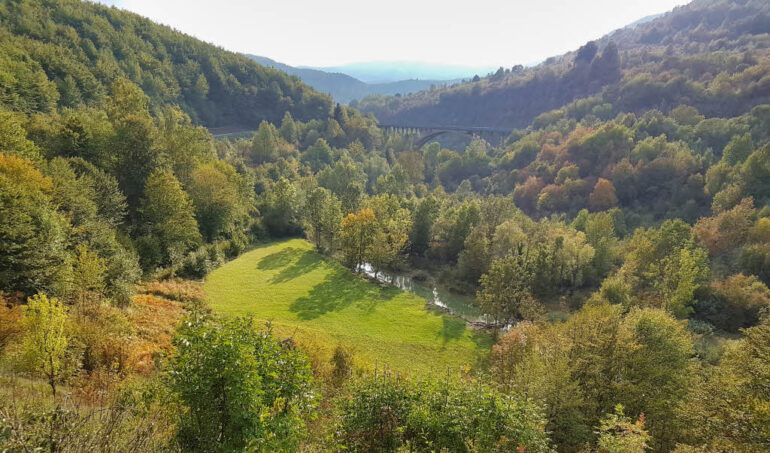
(454, 303)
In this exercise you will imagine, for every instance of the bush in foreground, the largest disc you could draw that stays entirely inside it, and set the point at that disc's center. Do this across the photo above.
(238, 387)
(385, 412)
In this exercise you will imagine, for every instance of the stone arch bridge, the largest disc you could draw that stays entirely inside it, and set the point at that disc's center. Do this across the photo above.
(494, 135)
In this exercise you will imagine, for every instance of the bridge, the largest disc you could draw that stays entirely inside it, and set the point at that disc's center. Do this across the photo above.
(429, 133)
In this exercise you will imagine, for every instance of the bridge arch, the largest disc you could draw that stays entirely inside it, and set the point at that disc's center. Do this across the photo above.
(432, 135)
(431, 132)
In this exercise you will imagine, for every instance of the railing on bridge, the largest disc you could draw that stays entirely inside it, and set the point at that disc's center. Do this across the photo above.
(497, 130)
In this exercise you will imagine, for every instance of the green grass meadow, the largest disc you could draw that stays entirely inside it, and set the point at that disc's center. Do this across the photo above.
(323, 304)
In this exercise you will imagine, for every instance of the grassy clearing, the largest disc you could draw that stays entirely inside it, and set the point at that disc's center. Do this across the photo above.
(300, 291)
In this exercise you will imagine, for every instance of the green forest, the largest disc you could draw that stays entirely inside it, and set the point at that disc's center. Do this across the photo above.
(709, 54)
(165, 290)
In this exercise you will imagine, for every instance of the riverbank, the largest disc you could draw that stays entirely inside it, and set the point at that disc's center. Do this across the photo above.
(322, 304)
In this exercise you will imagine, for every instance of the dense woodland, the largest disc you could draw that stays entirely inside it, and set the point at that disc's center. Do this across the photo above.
(709, 54)
(66, 53)
(619, 244)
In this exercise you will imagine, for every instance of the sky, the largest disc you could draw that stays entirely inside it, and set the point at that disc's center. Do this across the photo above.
(479, 33)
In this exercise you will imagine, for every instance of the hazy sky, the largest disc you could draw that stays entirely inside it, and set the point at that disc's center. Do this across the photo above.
(333, 32)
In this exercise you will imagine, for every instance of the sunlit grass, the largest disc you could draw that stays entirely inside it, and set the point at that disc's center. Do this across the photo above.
(322, 304)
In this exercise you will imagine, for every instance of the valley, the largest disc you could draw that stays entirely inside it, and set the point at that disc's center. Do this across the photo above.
(211, 252)
(321, 304)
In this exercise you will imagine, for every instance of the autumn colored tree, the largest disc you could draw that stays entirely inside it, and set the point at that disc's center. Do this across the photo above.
(526, 195)
(603, 196)
(726, 230)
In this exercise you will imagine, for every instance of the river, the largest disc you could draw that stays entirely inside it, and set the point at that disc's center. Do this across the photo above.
(457, 304)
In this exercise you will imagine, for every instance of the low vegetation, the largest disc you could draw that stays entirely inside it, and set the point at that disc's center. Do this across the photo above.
(320, 303)
(156, 292)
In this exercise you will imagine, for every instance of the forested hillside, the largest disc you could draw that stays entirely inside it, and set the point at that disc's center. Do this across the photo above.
(712, 55)
(67, 53)
(161, 290)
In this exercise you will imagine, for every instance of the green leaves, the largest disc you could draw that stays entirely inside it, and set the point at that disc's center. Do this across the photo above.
(386, 411)
(505, 291)
(46, 339)
(168, 215)
(618, 434)
(237, 386)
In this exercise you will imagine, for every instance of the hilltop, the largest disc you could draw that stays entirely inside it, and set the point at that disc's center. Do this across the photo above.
(709, 54)
(63, 53)
(344, 88)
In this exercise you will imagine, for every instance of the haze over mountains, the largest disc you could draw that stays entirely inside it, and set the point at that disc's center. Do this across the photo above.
(657, 62)
(356, 81)
(326, 277)
(393, 71)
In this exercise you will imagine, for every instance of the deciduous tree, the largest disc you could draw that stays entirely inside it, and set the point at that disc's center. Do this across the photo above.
(45, 343)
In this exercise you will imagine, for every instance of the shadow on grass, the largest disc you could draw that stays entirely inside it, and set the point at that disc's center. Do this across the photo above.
(452, 328)
(280, 259)
(293, 263)
(339, 290)
(306, 263)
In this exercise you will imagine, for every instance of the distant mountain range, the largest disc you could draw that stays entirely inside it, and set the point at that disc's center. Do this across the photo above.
(657, 62)
(394, 71)
(344, 83)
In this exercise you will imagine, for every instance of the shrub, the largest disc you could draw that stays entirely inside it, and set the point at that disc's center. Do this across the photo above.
(238, 387)
(10, 322)
(618, 434)
(186, 291)
(386, 412)
(132, 420)
(342, 365)
(46, 338)
(200, 262)
(100, 334)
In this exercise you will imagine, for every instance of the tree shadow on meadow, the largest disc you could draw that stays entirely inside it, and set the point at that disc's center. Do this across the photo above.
(339, 290)
(294, 262)
(280, 259)
(452, 328)
(306, 263)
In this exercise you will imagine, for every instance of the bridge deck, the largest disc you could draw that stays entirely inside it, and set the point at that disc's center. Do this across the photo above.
(446, 128)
